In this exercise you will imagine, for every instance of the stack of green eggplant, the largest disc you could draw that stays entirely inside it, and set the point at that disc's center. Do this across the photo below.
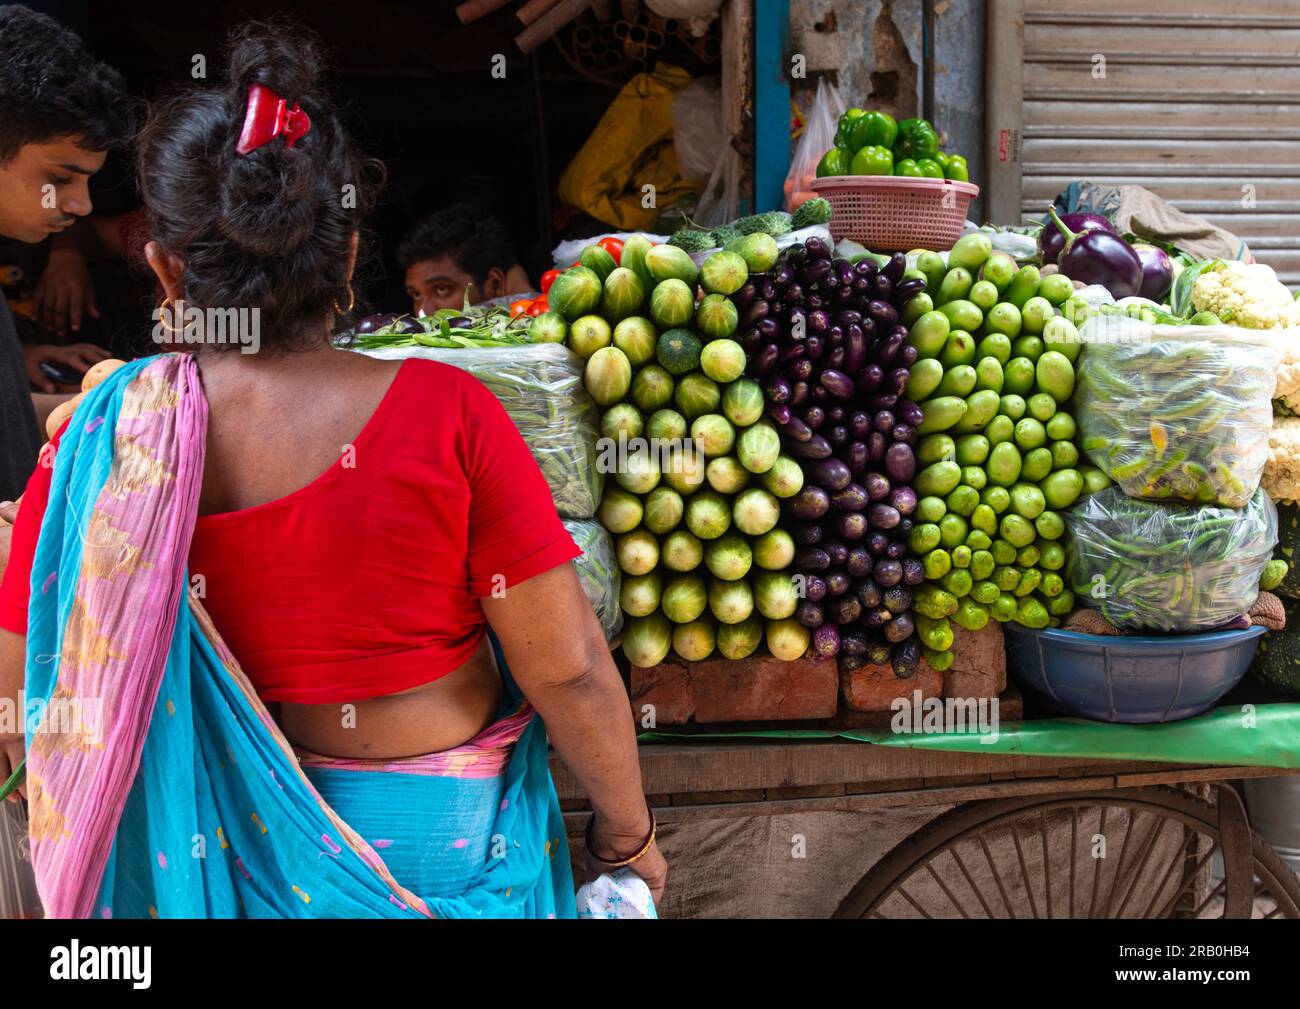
(998, 453)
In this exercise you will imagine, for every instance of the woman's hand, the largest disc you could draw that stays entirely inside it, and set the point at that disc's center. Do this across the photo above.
(65, 293)
(651, 867)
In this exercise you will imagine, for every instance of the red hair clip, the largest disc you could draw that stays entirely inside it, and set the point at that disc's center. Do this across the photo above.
(268, 117)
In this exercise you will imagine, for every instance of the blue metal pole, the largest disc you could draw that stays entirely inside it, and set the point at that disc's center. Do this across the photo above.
(771, 102)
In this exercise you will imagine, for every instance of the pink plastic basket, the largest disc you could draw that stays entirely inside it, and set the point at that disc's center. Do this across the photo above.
(895, 213)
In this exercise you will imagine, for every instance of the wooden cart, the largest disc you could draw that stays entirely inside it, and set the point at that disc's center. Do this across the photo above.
(1001, 849)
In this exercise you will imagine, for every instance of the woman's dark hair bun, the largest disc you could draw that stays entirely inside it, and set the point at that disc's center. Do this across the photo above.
(269, 229)
(278, 55)
(266, 196)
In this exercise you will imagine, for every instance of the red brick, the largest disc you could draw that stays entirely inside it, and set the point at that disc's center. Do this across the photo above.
(668, 688)
(1011, 705)
(761, 689)
(979, 667)
(875, 688)
(757, 689)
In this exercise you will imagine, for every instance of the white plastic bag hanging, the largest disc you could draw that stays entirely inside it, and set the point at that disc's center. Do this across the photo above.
(720, 201)
(818, 137)
(697, 124)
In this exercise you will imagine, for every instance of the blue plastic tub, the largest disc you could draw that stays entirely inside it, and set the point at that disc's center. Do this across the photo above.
(1129, 679)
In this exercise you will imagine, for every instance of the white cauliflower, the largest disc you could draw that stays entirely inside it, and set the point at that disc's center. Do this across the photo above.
(1288, 370)
(1247, 295)
(1281, 480)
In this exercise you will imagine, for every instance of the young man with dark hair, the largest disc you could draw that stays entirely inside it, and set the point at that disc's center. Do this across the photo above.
(459, 249)
(61, 112)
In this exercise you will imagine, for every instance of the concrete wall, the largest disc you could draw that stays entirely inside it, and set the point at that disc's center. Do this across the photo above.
(872, 50)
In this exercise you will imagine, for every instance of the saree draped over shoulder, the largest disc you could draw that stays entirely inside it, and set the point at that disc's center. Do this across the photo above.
(159, 785)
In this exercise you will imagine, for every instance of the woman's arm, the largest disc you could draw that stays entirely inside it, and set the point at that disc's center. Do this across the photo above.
(557, 654)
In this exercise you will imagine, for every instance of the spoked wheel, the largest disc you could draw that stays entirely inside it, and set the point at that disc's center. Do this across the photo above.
(1121, 853)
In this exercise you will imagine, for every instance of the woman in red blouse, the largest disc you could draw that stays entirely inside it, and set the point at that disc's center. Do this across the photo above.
(362, 523)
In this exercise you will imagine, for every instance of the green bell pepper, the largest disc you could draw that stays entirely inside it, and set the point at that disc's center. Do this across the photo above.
(872, 160)
(955, 168)
(909, 168)
(845, 128)
(834, 162)
(917, 139)
(872, 129)
(930, 168)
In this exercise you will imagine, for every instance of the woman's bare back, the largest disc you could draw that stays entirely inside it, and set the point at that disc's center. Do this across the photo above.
(277, 422)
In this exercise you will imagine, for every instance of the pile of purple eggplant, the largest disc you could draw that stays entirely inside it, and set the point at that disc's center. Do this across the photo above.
(823, 337)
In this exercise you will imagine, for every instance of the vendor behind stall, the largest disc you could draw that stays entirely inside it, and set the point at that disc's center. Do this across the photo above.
(459, 249)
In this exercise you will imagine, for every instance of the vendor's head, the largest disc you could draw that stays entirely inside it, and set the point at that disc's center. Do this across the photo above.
(276, 227)
(61, 112)
(458, 249)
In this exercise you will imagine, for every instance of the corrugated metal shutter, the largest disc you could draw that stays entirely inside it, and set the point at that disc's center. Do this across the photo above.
(1200, 103)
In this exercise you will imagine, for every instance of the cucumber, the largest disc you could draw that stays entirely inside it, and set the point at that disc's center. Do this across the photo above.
(598, 261)
(633, 258)
(576, 292)
(667, 262)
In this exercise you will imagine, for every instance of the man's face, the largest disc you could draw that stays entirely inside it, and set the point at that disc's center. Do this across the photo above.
(45, 188)
(440, 283)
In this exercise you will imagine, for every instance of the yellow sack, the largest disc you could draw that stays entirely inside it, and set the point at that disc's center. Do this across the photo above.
(631, 147)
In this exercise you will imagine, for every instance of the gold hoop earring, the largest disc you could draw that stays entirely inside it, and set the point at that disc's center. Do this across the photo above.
(352, 300)
(164, 311)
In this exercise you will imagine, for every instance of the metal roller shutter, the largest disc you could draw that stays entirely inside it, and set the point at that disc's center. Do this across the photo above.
(1199, 102)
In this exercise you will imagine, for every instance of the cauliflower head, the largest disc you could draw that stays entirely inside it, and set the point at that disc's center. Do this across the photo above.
(1288, 370)
(1247, 295)
(1281, 480)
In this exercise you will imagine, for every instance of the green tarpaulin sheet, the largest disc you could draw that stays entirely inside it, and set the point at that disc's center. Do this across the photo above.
(1264, 735)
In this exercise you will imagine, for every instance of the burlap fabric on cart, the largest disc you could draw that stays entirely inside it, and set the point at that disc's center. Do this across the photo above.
(802, 865)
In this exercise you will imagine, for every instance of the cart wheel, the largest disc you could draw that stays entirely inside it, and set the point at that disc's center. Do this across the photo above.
(1132, 853)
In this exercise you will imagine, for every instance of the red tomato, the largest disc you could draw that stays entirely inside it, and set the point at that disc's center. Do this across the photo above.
(614, 246)
(573, 264)
(520, 307)
(548, 278)
(537, 306)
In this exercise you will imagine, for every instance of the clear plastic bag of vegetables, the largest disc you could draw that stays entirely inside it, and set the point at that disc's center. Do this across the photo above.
(598, 571)
(1148, 566)
(540, 385)
(1177, 412)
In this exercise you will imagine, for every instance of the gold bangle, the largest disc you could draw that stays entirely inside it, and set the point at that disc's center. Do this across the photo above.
(641, 852)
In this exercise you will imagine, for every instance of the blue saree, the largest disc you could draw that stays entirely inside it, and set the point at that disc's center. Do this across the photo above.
(173, 793)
